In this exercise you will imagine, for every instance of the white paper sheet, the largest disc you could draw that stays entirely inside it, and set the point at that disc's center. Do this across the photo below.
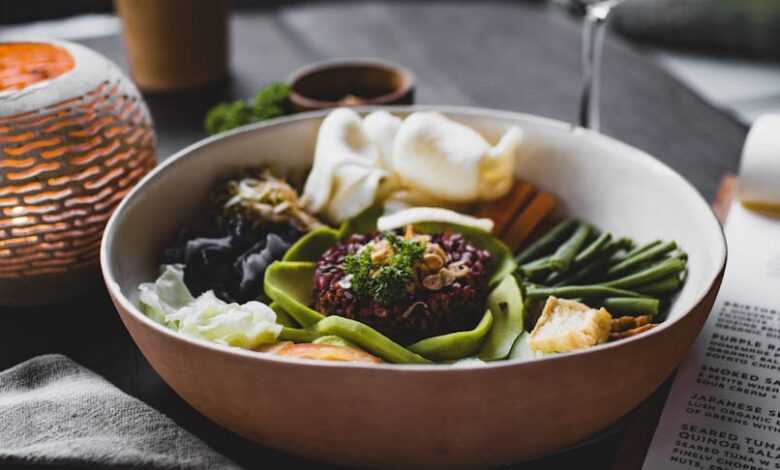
(723, 411)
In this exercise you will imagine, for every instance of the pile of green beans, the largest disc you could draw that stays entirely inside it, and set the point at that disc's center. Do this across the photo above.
(573, 260)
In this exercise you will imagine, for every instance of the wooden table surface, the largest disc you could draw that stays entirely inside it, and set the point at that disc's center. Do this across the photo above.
(507, 55)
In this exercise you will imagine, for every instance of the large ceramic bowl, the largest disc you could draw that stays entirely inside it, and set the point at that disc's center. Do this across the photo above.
(439, 415)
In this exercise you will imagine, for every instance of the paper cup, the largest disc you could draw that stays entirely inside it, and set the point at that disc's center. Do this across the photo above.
(175, 44)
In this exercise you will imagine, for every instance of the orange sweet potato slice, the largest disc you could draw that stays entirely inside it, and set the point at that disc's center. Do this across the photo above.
(273, 348)
(325, 352)
(503, 210)
(523, 225)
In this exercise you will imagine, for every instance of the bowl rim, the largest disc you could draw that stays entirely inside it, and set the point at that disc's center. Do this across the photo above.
(122, 302)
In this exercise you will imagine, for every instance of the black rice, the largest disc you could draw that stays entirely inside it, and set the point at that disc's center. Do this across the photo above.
(419, 312)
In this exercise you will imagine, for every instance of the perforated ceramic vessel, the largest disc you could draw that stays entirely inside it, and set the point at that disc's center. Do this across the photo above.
(74, 139)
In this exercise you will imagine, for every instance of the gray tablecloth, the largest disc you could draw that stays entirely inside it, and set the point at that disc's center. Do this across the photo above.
(508, 55)
(55, 413)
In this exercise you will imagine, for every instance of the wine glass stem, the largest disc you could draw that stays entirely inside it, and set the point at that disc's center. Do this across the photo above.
(592, 44)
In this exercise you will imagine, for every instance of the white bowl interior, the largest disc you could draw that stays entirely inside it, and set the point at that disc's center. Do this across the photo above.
(602, 181)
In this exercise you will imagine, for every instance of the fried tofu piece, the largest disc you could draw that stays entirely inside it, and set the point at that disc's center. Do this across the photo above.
(566, 325)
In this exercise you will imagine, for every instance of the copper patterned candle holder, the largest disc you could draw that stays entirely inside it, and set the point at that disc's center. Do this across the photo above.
(75, 136)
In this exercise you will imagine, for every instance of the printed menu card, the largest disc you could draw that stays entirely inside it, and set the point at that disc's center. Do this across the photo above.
(723, 411)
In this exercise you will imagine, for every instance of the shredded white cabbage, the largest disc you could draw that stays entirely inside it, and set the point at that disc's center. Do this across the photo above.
(166, 295)
(168, 301)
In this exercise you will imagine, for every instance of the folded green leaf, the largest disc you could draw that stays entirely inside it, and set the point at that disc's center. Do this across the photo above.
(289, 284)
(282, 317)
(454, 346)
(368, 339)
(365, 222)
(521, 350)
(506, 305)
(312, 245)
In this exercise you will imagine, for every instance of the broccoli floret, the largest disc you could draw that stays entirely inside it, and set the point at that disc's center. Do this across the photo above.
(270, 102)
(273, 94)
(226, 116)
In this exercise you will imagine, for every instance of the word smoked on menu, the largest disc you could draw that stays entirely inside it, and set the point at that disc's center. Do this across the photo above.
(723, 411)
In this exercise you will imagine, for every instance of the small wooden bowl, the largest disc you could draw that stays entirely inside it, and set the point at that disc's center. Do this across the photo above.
(350, 82)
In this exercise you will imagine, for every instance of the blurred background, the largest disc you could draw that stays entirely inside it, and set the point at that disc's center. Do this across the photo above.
(726, 50)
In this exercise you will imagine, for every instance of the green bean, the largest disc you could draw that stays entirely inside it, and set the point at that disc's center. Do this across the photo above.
(297, 335)
(584, 257)
(663, 286)
(334, 340)
(684, 274)
(638, 250)
(592, 250)
(631, 305)
(568, 292)
(543, 265)
(508, 309)
(547, 242)
(368, 339)
(454, 346)
(655, 272)
(562, 258)
(597, 265)
(585, 273)
(631, 262)
(533, 269)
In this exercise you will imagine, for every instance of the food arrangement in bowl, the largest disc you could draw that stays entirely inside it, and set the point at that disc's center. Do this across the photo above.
(411, 241)
(310, 286)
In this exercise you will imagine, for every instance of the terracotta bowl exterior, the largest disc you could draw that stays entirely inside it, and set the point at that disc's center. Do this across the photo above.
(425, 416)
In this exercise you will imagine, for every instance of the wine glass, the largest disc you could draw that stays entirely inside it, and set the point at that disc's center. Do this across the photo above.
(595, 15)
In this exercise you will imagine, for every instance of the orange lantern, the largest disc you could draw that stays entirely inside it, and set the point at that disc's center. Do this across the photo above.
(75, 136)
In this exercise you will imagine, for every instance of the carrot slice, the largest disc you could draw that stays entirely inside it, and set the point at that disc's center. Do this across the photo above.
(540, 207)
(503, 210)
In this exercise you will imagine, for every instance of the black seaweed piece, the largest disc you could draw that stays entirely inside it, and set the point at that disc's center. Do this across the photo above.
(252, 264)
(229, 257)
(242, 232)
(207, 265)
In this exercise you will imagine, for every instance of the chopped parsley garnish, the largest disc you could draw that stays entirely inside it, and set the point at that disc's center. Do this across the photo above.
(385, 281)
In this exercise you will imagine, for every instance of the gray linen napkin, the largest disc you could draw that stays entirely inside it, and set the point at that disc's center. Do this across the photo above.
(56, 413)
